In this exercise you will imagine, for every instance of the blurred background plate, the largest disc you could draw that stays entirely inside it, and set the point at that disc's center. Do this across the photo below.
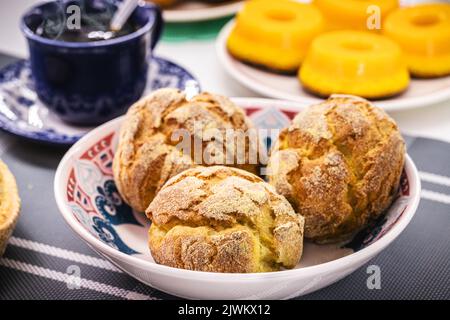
(421, 92)
(198, 11)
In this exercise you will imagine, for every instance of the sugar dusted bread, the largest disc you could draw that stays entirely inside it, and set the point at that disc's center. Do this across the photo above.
(164, 3)
(9, 205)
(147, 156)
(223, 219)
(339, 165)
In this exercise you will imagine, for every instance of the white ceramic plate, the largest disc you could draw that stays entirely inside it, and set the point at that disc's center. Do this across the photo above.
(89, 201)
(199, 11)
(420, 93)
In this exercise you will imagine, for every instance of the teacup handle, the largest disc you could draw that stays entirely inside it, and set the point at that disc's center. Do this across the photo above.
(158, 25)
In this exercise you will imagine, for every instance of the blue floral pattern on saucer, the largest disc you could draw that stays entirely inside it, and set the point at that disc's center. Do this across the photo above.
(22, 114)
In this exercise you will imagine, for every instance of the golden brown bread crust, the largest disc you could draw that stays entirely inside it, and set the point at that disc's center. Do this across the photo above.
(339, 165)
(147, 156)
(9, 205)
(223, 219)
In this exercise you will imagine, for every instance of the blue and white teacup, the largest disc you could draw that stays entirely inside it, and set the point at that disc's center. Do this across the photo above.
(87, 83)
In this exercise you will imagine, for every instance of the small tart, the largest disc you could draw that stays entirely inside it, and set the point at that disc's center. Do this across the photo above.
(353, 14)
(423, 32)
(9, 205)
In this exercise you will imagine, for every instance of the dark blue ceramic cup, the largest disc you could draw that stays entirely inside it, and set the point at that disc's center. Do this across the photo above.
(87, 83)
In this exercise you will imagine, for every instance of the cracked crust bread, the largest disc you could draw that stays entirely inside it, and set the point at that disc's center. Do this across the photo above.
(147, 156)
(9, 205)
(223, 219)
(339, 165)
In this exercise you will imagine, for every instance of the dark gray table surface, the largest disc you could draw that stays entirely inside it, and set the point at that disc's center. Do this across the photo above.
(415, 266)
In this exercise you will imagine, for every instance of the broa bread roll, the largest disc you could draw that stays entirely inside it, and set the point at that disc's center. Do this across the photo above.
(223, 219)
(339, 165)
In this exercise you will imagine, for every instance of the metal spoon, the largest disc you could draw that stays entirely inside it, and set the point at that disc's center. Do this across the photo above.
(121, 16)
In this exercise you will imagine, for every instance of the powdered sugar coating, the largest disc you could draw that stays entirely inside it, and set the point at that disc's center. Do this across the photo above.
(339, 165)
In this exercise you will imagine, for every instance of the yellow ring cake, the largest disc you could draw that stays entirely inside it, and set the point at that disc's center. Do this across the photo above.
(274, 34)
(354, 62)
(423, 32)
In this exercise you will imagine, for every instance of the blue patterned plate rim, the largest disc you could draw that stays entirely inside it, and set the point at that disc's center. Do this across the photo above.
(51, 136)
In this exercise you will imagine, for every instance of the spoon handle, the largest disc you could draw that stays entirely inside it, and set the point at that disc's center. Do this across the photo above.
(122, 14)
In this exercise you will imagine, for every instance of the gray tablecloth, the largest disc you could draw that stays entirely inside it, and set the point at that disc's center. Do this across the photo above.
(43, 248)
